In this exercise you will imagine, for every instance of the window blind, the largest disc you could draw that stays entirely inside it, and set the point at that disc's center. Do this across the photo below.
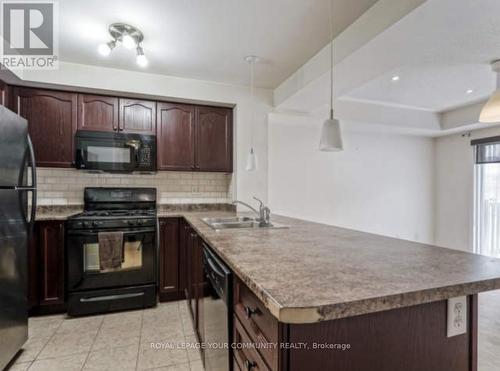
(487, 150)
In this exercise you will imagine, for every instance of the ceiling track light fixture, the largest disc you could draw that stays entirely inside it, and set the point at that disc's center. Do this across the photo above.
(128, 36)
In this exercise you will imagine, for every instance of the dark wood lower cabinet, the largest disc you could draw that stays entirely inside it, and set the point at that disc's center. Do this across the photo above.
(169, 288)
(410, 339)
(46, 275)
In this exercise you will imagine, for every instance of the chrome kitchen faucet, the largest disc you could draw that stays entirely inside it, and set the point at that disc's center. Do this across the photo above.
(264, 212)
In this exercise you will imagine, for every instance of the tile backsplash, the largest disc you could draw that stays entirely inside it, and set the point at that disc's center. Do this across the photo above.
(65, 186)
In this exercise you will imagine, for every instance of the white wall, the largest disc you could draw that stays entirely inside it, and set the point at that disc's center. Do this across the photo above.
(245, 185)
(381, 183)
(454, 190)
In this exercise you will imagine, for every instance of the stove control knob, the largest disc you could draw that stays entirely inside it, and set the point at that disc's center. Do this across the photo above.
(87, 224)
(131, 222)
(96, 223)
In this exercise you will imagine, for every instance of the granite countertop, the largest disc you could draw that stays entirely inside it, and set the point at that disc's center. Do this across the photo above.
(63, 212)
(313, 272)
(57, 212)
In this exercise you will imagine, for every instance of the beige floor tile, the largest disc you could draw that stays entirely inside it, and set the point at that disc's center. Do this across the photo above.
(187, 325)
(123, 359)
(154, 358)
(66, 343)
(166, 330)
(32, 348)
(44, 326)
(117, 337)
(182, 367)
(193, 352)
(68, 363)
(86, 324)
(20, 366)
(161, 316)
(123, 319)
(489, 331)
(196, 366)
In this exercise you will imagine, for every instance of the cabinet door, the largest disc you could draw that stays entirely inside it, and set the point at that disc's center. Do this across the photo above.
(183, 239)
(138, 116)
(52, 121)
(169, 256)
(51, 253)
(214, 138)
(5, 94)
(97, 113)
(175, 136)
(198, 285)
(194, 299)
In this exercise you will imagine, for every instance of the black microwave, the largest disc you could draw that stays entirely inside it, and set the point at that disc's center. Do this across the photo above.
(115, 152)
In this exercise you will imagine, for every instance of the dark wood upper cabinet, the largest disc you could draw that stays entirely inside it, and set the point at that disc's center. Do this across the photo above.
(138, 116)
(176, 136)
(52, 120)
(189, 138)
(97, 113)
(169, 257)
(50, 237)
(214, 139)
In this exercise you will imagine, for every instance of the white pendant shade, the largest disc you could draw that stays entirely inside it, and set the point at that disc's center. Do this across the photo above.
(491, 111)
(331, 136)
(251, 161)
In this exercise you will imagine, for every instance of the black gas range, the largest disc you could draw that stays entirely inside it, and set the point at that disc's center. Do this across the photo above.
(111, 251)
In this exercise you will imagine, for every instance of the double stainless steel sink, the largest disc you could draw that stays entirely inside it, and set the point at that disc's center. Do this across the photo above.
(239, 222)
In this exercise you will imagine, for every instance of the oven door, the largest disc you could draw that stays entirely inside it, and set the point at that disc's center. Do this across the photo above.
(138, 260)
(106, 152)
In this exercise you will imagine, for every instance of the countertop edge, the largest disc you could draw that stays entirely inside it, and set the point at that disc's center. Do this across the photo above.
(383, 303)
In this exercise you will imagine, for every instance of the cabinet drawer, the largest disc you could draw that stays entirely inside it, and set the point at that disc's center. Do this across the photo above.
(259, 323)
(247, 358)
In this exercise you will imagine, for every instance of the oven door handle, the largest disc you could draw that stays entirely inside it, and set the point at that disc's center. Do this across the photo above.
(139, 231)
(111, 297)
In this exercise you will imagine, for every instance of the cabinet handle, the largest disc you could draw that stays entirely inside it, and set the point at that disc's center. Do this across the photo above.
(249, 311)
(249, 365)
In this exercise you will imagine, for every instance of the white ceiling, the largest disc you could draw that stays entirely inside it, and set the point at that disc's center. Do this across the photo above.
(440, 50)
(429, 87)
(207, 39)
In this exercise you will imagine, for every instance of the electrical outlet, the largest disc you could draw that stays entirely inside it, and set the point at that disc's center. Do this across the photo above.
(457, 316)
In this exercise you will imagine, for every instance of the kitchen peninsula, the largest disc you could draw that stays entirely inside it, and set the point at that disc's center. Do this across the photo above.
(381, 302)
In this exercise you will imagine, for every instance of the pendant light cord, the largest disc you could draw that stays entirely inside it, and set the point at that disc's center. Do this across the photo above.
(331, 58)
(253, 103)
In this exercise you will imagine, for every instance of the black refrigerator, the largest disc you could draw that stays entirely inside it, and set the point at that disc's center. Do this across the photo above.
(17, 215)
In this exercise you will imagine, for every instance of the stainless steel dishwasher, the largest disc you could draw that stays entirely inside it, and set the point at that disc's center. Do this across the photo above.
(217, 313)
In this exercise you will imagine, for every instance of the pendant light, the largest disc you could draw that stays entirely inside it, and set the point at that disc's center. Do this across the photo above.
(252, 158)
(491, 111)
(331, 135)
